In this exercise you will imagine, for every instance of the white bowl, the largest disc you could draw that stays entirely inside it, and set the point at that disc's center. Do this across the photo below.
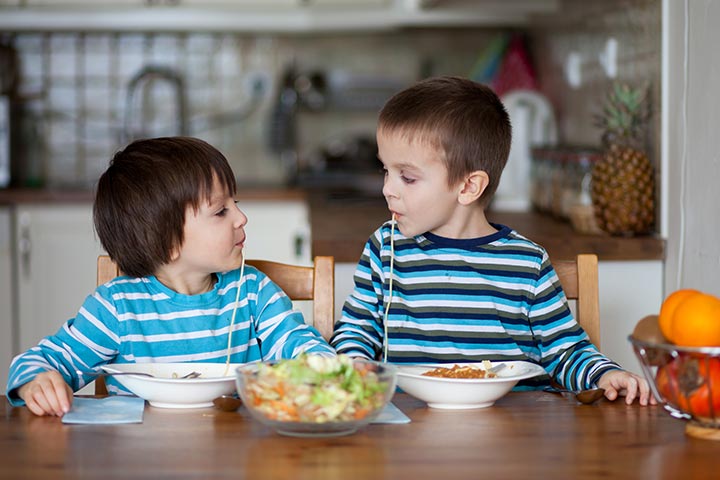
(167, 390)
(463, 393)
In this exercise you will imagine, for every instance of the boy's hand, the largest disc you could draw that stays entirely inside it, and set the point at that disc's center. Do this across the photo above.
(47, 394)
(620, 382)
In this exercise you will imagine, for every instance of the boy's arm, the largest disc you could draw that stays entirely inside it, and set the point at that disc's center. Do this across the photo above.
(280, 329)
(359, 332)
(565, 349)
(81, 343)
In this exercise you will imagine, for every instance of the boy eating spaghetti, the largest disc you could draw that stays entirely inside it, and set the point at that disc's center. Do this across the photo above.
(439, 283)
(165, 212)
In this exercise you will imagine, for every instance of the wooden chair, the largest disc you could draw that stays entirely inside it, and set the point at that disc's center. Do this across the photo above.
(579, 279)
(316, 283)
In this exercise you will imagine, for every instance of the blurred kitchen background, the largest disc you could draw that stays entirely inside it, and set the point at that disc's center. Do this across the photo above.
(289, 91)
(282, 104)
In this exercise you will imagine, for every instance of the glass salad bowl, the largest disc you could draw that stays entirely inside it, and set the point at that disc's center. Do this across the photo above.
(313, 395)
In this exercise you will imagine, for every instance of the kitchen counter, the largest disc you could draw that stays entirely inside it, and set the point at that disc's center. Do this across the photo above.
(341, 225)
(13, 196)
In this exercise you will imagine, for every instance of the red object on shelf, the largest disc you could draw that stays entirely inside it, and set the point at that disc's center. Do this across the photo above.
(516, 70)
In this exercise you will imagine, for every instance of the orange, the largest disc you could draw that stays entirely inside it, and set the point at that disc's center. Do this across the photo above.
(696, 321)
(667, 310)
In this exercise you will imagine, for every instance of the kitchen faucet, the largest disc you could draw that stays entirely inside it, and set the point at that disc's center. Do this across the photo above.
(140, 83)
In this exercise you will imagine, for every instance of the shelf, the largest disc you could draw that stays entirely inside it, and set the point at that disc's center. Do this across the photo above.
(335, 16)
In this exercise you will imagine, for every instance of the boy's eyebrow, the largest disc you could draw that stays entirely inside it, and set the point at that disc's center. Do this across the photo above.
(216, 199)
(406, 166)
(401, 166)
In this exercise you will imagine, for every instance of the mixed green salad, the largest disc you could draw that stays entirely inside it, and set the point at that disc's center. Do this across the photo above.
(316, 389)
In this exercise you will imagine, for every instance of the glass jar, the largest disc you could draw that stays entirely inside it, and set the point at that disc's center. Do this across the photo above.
(579, 195)
(557, 181)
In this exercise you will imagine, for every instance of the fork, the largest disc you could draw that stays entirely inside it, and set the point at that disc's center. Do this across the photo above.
(141, 374)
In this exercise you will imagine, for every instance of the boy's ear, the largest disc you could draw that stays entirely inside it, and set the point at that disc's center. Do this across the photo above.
(174, 254)
(473, 187)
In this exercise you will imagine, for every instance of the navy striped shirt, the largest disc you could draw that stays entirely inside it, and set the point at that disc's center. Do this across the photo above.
(140, 320)
(466, 300)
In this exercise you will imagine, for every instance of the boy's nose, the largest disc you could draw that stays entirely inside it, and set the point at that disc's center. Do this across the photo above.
(241, 219)
(387, 189)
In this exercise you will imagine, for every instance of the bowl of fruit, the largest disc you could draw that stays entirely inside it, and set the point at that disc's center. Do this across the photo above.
(679, 353)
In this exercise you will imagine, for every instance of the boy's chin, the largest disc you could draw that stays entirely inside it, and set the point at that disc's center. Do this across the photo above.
(407, 232)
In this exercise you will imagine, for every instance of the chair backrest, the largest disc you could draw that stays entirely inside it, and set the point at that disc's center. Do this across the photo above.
(316, 283)
(579, 279)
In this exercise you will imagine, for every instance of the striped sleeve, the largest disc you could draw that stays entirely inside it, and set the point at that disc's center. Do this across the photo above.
(281, 331)
(359, 331)
(81, 343)
(565, 349)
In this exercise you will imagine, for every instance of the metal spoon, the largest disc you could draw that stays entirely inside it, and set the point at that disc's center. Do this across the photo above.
(227, 403)
(585, 397)
(497, 368)
(140, 374)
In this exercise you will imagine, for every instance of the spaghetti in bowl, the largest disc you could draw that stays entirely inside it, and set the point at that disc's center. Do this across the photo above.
(313, 395)
(463, 385)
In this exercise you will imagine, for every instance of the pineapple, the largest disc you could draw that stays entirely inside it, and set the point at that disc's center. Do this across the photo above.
(623, 182)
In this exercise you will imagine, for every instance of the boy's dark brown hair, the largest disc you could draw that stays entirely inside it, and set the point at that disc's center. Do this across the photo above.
(463, 120)
(141, 199)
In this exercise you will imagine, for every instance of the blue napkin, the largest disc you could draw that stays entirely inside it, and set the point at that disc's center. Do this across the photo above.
(106, 411)
(391, 414)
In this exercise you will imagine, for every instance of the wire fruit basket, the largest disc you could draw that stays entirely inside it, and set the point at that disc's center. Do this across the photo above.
(686, 380)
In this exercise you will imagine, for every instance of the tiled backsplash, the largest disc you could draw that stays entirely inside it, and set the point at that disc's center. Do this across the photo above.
(74, 88)
(584, 29)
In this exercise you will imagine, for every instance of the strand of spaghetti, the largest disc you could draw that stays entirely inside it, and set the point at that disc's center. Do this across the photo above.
(390, 289)
(232, 319)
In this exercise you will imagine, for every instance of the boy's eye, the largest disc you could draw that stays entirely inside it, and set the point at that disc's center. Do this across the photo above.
(407, 180)
(222, 212)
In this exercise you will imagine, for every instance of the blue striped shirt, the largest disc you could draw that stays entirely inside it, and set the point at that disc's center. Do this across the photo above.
(465, 300)
(140, 320)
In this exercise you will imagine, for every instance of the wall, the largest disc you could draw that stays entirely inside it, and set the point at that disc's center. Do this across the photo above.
(583, 29)
(692, 150)
(74, 89)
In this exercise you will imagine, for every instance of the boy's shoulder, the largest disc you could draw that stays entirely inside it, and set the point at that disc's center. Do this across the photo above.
(515, 237)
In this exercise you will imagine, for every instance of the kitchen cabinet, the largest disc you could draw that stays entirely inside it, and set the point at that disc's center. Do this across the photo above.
(6, 323)
(55, 254)
(277, 230)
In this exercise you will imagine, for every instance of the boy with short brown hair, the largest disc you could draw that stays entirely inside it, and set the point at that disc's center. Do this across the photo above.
(439, 283)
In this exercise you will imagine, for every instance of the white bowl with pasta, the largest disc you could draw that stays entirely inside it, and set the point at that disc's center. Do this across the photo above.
(166, 388)
(463, 393)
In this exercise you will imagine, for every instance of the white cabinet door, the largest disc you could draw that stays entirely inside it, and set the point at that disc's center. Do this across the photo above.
(277, 230)
(56, 254)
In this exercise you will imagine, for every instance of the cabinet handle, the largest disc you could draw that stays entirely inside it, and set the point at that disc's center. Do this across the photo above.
(24, 244)
(299, 245)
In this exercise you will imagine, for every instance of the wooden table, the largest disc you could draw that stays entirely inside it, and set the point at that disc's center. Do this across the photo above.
(532, 435)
